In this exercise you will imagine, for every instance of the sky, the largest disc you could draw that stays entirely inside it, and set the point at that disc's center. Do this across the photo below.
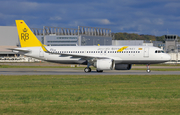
(149, 17)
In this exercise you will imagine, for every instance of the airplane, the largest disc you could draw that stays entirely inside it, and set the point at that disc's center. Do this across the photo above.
(101, 57)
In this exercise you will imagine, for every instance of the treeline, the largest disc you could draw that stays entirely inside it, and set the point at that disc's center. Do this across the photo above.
(133, 36)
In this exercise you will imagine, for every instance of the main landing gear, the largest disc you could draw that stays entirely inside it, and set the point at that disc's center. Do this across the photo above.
(87, 69)
(99, 70)
(148, 68)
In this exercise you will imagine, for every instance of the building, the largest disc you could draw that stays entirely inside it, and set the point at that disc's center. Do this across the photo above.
(127, 42)
(171, 43)
(83, 36)
(9, 39)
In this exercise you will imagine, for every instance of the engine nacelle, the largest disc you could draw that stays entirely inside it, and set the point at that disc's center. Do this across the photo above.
(105, 64)
(123, 66)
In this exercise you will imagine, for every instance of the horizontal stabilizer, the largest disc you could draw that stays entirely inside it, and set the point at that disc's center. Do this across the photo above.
(19, 49)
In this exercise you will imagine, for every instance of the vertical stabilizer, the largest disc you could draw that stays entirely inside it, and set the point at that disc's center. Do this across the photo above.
(26, 36)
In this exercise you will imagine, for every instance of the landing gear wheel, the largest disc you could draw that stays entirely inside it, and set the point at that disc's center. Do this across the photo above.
(99, 70)
(148, 70)
(87, 69)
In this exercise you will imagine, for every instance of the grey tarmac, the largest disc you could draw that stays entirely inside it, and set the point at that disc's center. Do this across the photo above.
(78, 71)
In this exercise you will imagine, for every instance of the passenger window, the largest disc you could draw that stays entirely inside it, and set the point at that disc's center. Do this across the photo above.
(156, 51)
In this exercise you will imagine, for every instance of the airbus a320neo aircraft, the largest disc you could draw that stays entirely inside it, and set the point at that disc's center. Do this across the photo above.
(101, 57)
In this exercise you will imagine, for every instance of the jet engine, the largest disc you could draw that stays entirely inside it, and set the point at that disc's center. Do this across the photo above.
(105, 64)
(123, 66)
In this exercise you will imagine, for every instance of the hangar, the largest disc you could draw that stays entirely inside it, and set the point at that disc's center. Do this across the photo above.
(83, 36)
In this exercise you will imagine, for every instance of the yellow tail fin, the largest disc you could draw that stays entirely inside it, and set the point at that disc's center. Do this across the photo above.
(26, 36)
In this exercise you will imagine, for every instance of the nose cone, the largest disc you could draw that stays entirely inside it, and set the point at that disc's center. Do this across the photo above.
(167, 57)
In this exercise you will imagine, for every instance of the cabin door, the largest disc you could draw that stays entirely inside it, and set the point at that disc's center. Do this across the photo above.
(146, 52)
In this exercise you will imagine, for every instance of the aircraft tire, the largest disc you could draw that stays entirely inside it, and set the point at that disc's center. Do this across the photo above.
(148, 70)
(87, 69)
(99, 70)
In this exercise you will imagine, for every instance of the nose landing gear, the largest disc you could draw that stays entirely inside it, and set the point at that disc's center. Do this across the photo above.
(148, 68)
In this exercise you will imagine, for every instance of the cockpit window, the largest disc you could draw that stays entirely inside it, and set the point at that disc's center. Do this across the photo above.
(159, 51)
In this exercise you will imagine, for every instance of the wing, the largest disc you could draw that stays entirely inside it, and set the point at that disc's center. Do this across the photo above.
(84, 57)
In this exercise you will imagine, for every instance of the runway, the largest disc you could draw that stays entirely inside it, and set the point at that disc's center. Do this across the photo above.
(78, 71)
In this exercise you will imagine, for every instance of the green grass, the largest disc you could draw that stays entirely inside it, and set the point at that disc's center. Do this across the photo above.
(85, 94)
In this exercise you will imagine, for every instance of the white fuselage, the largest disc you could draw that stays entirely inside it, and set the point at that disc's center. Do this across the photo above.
(79, 54)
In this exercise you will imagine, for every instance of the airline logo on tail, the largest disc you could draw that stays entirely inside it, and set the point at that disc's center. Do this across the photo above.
(25, 35)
